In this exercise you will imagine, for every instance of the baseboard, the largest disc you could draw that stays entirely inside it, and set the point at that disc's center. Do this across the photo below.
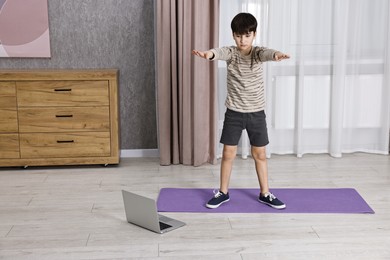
(139, 153)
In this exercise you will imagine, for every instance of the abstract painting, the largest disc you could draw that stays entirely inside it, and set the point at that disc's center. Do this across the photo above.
(24, 28)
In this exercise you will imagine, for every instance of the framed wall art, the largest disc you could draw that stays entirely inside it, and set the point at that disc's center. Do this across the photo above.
(24, 28)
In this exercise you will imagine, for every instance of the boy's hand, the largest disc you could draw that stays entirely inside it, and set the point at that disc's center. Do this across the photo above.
(205, 55)
(278, 56)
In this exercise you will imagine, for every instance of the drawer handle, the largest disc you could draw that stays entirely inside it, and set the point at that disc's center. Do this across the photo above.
(64, 115)
(62, 89)
(65, 141)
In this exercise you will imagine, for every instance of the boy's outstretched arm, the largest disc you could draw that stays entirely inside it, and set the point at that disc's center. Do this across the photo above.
(278, 56)
(203, 54)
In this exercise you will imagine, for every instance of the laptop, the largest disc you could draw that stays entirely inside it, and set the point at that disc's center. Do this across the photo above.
(142, 212)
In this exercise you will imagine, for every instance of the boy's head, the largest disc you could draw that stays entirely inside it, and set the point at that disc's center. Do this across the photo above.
(244, 23)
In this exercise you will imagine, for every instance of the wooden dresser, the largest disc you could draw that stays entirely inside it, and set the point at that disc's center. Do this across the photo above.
(58, 117)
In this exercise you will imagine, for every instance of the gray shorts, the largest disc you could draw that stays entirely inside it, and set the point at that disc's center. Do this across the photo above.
(254, 123)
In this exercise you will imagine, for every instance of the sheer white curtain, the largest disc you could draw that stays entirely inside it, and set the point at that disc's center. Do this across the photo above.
(333, 95)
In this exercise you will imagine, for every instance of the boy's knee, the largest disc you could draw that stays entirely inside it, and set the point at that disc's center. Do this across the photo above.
(259, 154)
(229, 153)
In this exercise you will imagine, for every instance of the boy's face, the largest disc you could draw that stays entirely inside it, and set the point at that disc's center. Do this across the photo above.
(244, 41)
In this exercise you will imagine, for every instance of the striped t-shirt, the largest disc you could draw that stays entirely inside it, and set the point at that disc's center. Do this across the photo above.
(245, 83)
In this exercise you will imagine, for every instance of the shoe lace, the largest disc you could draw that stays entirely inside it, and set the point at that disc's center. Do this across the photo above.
(270, 195)
(217, 193)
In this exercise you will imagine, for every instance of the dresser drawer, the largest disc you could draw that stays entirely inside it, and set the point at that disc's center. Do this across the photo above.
(63, 93)
(8, 120)
(54, 145)
(7, 95)
(63, 119)
(9, 146)
(8, 111)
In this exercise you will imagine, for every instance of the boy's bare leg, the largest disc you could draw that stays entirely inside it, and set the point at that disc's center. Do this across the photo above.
(259, 155)
(228, 155)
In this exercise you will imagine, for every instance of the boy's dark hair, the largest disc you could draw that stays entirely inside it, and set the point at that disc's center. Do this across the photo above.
(244, 23)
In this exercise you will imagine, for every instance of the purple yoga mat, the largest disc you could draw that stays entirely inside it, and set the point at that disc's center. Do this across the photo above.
(339, 200)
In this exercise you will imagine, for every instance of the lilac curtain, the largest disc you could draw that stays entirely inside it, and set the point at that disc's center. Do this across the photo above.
(186, 85)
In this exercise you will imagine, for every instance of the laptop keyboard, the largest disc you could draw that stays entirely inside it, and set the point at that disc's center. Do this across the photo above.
(164, 226)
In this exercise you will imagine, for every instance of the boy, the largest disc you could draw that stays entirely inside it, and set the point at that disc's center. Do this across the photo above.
(245, 104)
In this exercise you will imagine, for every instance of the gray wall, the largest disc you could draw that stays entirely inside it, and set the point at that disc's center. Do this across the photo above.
(107, 34)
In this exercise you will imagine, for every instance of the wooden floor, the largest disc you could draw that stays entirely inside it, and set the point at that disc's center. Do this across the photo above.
(77, 212)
